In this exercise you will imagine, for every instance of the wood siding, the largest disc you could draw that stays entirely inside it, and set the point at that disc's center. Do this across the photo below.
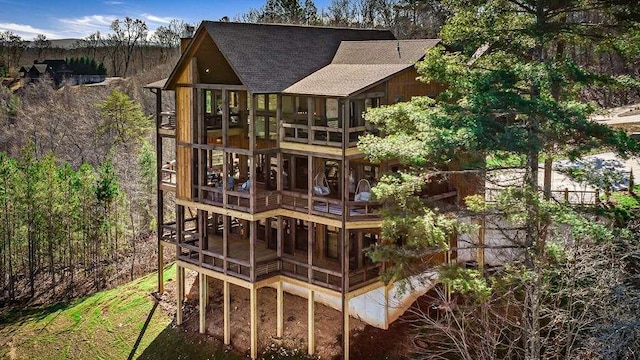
(184, 108)
(404, 86)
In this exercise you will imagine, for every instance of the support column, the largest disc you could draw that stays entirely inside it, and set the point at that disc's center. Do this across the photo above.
(311, 322)
(227, 308)
(253, 300)
(481, 240)
(279, 310)
(160, 267)
(180, 276)
(202, 303)
(345, 329)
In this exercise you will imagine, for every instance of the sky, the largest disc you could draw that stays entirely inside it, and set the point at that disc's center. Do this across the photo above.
(58, 19)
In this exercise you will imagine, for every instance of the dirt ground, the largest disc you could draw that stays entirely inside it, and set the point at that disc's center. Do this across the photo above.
(367, 342)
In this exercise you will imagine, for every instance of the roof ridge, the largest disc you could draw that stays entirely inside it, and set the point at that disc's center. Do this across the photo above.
(295, 25)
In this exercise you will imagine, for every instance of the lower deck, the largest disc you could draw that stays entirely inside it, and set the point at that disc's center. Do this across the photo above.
(237, 263)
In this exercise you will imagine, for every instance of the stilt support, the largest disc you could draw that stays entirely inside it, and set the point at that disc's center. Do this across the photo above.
(180, 276)
(312, 322)
(254, 322)
(227, 306)
(160, 268)
(345, 330)
(203, 302)
(280, 310)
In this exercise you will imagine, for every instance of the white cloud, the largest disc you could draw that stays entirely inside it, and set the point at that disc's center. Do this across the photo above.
(86, 25)
(114, 2)
(27, 32)
(156, 19)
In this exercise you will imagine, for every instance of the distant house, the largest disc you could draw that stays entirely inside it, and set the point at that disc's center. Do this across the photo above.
(58, 70)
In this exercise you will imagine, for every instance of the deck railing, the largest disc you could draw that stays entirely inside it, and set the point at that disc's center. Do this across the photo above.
(327, 135)
(574, 197)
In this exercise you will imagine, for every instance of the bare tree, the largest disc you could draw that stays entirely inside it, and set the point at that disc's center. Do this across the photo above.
(11, 49)
(41, 43)
(127, 35)
(168, 37)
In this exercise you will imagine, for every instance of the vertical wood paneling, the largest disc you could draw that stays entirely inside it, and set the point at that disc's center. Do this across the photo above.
(404, 86)
(184, 108)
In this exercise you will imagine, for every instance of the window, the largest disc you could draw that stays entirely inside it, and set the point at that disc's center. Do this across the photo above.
(266, 127)
(287, 104)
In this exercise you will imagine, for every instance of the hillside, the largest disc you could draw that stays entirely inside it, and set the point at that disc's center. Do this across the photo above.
(128, 322)
(124, 322)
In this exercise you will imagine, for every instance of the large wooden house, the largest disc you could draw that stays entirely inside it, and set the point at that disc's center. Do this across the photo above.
(270, 187)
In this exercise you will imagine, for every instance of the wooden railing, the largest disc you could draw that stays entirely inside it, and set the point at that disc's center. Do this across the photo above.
(240, 200)
(355, 133)
(364, 276)
(574, 197)
(326, 135)
(168, 173)
(267, 267)
(294, 201)
(327, 207)
(295, 132)
(363, 210)
(168, 119)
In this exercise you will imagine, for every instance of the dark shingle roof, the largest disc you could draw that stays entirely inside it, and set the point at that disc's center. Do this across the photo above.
(383, 52)
(343, 79)
(270, 57)
(360, 64)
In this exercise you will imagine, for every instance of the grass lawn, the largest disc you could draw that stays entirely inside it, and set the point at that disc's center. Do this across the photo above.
(122, 323)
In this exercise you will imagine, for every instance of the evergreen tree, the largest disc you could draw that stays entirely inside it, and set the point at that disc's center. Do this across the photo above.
(521, 97)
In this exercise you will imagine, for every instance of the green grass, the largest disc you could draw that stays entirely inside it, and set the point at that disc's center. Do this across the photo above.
(626, 205)
(120, 323)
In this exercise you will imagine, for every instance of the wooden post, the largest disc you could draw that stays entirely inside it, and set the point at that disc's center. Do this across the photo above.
(279, 310)
(251, 123)
(253, 233)
(548, 167)
(344, 254)
(310, 175)
(227, 308)
(480, 249)
(252, 182)
(311, 322)
(202, 301)
(159, 193)
(180, 275)
(386, 307)
(160, 267)
(253, 299)
(310, 132)
(345, 328)
(566, 195)
(226, 227)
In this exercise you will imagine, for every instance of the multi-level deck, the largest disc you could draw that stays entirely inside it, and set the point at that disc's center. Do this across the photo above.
(270, 188)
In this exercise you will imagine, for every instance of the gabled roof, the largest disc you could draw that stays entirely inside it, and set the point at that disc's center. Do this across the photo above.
(361, 64)
(156, 84)
(41, 68)
(383, 51)
(342, 80)
(268, 58)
